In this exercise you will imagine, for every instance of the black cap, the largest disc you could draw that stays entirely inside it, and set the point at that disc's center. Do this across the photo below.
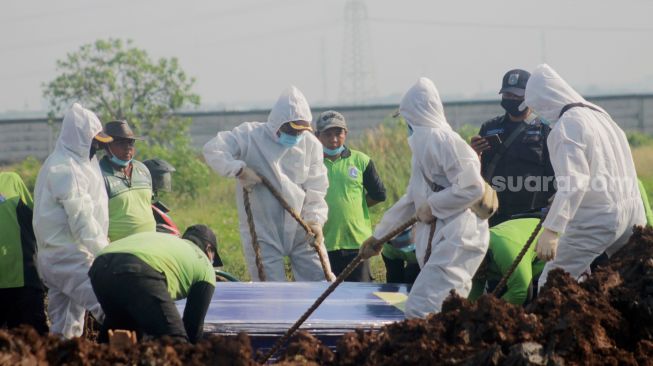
(514, 81)
(200, 235)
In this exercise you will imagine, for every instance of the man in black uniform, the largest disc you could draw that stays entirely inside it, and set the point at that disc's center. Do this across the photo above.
(514, 154)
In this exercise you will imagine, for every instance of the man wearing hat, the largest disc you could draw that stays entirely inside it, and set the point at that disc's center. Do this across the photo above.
(290, 157)
(71, 221)
(137, 280)
(128, 184)
(354, 186)
(514, 154)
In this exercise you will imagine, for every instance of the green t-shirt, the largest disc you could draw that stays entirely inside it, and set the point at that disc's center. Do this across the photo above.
(348, 224)
(506, 241)
(12, 190)
(182, 262)
(130, 201)
(647, 206)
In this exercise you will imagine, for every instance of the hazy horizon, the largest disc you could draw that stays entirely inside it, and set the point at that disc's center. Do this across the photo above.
(243, 53)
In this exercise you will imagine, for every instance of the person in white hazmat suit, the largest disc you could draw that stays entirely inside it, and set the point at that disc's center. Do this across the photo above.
(290, 157)
(598, 199)
(461, 238)
(71, 221)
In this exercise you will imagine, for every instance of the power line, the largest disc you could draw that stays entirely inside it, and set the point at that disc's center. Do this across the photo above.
(442, 23)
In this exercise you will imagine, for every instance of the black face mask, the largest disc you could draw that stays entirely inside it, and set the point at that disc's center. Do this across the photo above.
(94, 147)
(512, 107)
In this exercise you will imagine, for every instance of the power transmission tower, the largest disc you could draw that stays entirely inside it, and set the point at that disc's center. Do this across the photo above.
(357, 80)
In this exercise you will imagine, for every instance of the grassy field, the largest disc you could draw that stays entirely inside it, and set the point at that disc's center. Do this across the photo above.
(388, 148)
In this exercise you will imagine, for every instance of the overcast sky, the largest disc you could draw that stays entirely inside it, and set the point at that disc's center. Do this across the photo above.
(244, 52)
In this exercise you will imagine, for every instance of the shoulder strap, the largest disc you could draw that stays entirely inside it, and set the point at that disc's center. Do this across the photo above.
(434, 186)
(503, 148)
(572, 105)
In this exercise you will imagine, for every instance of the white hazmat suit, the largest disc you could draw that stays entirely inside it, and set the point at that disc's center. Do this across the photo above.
(598, 200)
(461, 239)
(71, 222)
(297, 172)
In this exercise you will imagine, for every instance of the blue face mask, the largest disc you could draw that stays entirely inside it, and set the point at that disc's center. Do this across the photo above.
(410, 131)
(119, 162)
(289, 140)
(333, 152)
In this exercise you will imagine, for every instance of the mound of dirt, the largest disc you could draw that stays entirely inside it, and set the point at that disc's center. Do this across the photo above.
(606, 319)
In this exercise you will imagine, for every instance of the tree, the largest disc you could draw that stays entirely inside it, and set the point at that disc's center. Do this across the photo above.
(116, 80)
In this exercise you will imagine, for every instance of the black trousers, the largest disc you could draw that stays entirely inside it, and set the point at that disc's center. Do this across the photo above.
(339, 259)
(398, 271)
(23, 305)
(134, 296)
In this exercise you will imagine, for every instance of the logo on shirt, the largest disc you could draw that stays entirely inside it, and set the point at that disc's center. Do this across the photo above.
(353, 172)
(2, 198)
(534, 132)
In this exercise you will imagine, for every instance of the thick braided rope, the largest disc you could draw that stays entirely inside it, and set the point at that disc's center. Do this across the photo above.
(344, 274)
(291, 211)
(517, 260)
(252, 234)
(427, 255)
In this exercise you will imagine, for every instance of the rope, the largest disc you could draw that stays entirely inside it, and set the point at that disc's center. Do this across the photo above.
(291, 211)
(252, 233)
(517, 260)
(427, 255)
(344, 274)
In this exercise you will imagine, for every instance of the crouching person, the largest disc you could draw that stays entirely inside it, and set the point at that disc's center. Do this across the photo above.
(137, 279)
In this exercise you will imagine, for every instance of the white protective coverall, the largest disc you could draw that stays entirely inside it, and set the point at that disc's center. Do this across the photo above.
(461, 239)
(597, 201)
(298, 173)
(71, 222)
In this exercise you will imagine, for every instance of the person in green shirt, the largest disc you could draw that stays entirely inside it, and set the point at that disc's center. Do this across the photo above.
(20, 286)
(506, 241)
(128, 183)
(137, 279)
(354, 186)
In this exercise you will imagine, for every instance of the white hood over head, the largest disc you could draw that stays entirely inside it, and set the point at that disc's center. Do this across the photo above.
(547, 93)
(421, 106)
(78, 129)
(291, 106)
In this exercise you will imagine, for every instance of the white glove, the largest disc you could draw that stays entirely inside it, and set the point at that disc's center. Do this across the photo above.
(248, 178)
(370, 247)
(317, 231)
(424, 213)
(547, 245)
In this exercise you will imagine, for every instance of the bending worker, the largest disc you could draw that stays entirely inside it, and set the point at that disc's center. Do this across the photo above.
(598, 200)
(506, 241)
(440, 157)
(128, 184)
(283, 150)
(71, 221)
(138, 278)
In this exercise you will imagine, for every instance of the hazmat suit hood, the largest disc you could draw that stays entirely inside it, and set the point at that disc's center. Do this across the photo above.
(547, 93)
(421, 106)
(77, 130)
(291, 106)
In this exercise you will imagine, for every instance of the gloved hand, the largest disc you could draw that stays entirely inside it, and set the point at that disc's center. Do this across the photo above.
(317, 230)
(370, 247)
(424, 213)
(248, 178)
(547, 245)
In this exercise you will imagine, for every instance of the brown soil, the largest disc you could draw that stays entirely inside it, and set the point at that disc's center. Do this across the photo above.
(605, 320)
